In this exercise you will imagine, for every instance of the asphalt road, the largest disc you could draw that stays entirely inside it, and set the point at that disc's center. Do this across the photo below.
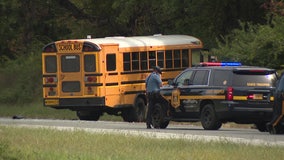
(190, 132)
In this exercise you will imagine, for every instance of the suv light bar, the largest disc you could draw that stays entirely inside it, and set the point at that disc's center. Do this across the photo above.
(220, 64)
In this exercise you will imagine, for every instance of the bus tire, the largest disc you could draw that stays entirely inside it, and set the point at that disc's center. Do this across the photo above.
(89, 115)
(140, 110)
(209, 118)
(135, 113)
(261, 126)
(128, 115)
(159, 117)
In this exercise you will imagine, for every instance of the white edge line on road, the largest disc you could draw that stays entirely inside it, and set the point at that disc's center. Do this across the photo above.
(160, 135)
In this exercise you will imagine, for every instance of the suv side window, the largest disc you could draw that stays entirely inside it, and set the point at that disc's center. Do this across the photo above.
(221, 78)
(201, 77)
(184, 78)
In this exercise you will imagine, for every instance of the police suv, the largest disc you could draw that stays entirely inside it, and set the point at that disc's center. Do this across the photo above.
(216, 93)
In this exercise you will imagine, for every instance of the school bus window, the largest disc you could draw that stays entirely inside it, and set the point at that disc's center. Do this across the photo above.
(71, 86)
(152, 59)
(111, 62)
(126, 61)
(177, 59)
(143, 60)
(185, 58)
(169, 59)
(196, 57)
(70, 63)
(135, 61)
(160, 55)
(50, 64)
(90, 65)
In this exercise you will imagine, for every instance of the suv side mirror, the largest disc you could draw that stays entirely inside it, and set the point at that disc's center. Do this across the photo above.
(170, 82)
(187, 82)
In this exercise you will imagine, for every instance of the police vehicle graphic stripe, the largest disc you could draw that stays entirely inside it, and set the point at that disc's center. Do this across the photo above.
(221, 97)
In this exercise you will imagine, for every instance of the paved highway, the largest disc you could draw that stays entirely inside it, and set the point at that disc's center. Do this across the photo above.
(236, 135)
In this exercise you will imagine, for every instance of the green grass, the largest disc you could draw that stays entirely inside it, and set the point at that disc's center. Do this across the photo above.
(37, 110)
(48, 144)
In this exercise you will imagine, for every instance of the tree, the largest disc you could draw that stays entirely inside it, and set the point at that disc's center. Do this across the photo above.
(260, 45)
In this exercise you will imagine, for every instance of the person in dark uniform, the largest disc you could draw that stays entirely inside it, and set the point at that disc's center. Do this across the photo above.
(278, 99)
(153, 84)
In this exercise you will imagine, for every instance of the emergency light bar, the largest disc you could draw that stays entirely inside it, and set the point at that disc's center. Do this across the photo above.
(220, 64)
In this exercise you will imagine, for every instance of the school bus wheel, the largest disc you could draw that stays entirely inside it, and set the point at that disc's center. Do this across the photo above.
(135, 113)
(140, 109)
(209, 119)
(159, 117)
(89, 115)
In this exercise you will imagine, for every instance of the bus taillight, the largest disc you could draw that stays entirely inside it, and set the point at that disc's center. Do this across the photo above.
(51, 92)
(51, 79)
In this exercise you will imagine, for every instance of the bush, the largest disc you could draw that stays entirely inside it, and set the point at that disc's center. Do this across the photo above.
(259, 45)
(20, 79)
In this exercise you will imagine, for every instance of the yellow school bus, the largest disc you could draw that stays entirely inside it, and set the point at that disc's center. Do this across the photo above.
(94, 76)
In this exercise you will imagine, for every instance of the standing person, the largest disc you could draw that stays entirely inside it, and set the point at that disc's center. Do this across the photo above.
(153, 84)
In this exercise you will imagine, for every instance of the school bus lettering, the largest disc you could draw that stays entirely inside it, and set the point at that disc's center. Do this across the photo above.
(69, 47)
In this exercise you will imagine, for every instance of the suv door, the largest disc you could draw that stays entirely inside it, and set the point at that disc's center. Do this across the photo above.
(190, 91)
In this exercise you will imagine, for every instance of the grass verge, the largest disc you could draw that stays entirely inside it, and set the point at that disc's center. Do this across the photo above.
(37, 110)
(46, 144)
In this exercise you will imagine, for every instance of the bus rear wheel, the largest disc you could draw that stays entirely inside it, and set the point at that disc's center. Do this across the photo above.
(135, 113)
(89, 115)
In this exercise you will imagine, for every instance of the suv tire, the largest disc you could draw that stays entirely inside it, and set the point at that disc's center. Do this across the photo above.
(159, 117)
(261, 126)
(209, 119)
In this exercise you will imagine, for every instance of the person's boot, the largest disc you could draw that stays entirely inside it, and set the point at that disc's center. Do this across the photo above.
(148, 126)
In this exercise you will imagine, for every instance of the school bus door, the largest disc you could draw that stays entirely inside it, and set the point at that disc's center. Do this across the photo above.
(70, 75)
(112, 75)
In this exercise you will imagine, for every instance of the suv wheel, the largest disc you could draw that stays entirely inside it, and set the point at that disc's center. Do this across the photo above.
(209, 119)
(158, 117)
(261, 126)
(278, 129)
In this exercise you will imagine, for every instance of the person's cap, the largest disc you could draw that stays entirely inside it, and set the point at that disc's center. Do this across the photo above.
(158, 69)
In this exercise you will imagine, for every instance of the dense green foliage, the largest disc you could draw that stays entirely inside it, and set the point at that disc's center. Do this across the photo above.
(27, 25)
(260, 45)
